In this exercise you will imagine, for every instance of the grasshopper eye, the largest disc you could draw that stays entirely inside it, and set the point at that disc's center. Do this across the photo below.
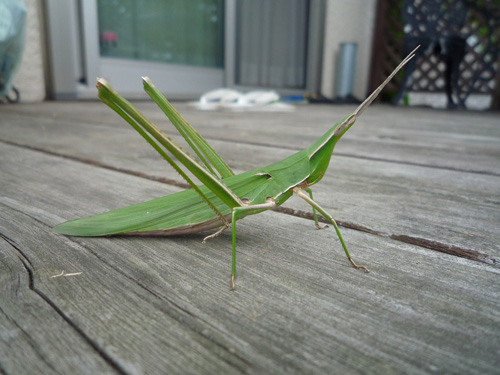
(245, 200)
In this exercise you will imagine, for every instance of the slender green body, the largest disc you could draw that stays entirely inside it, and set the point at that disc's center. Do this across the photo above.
(223, 197)
(186, 212)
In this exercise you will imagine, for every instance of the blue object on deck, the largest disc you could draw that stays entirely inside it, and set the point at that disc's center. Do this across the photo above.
(12, 28)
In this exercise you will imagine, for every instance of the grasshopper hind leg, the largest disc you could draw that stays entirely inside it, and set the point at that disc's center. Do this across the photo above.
(302, 194)
(358, 267)
(316, 222)
(213, 235)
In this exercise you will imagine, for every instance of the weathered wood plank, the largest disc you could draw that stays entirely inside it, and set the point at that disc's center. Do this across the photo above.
(380, 196)
(116, 311)
(158, 305)
(457, 140)
(31, 328)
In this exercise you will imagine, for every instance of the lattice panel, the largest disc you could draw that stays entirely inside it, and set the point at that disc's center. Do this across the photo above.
(479, 67)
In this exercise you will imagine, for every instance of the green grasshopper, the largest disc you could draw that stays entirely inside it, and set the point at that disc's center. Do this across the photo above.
(223, 197)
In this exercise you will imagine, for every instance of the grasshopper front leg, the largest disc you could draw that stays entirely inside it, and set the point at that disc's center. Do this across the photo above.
(302, 193)
(238, 213)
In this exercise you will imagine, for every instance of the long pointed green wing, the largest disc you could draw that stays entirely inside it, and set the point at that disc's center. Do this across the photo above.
(186, 212)
(183, 212)
(199, 145)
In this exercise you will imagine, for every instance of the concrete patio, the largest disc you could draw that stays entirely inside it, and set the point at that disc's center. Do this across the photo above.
(417, 195)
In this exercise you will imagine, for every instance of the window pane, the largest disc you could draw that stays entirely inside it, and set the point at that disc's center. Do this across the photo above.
(170, 31)
(271, 46)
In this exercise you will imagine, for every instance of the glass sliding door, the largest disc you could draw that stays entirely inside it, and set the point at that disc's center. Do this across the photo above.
(271, 43)
(179, 44)
(276, 44)
(174, 32)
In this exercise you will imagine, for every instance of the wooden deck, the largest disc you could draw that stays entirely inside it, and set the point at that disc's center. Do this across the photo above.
(417, 194)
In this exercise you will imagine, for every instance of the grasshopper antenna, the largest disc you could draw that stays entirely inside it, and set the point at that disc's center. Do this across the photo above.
(374, 94)
(350, 120)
